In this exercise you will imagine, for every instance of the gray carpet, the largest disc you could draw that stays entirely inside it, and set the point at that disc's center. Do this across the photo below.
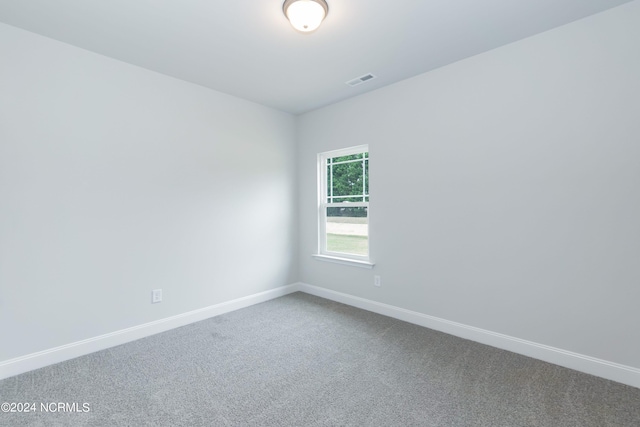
(304, 361)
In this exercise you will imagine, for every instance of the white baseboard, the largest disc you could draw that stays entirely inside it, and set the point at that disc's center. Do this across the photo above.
(587, 364)
(590, 365)
(19, 365)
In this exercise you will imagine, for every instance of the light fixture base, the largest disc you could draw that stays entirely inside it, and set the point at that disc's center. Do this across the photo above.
(293, 19)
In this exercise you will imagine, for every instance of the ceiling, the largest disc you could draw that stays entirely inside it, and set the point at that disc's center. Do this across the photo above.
(247, 48)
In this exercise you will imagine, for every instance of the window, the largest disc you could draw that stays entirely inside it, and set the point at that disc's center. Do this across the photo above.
(343, 203)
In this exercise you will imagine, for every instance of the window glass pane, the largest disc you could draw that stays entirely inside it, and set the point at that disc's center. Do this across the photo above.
(328, 184)
(345, 158)
(366, 177)
(347, 179)
(348, 230)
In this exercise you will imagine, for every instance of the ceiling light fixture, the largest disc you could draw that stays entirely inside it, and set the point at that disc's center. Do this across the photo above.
(305, 15)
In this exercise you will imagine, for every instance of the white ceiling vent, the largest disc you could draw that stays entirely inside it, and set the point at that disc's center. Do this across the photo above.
(361, 79)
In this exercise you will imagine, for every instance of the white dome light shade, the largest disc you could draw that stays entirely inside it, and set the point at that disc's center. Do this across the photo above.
(305, 15)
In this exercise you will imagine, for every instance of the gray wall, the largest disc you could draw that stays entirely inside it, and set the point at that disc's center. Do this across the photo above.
(115, 180)
(504, 189)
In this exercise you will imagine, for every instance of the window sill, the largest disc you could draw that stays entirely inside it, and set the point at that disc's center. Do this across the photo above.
(345, 261)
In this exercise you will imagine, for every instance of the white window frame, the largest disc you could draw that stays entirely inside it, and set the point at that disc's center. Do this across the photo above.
(323, 254)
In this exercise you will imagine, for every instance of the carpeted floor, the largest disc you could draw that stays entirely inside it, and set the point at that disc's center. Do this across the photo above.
(300, 360)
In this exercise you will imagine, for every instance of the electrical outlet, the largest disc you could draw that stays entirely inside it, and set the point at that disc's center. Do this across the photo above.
(156, 296)
(377, 281)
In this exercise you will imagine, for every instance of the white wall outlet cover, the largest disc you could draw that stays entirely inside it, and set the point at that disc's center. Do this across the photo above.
(377, 281)
(156, 296)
